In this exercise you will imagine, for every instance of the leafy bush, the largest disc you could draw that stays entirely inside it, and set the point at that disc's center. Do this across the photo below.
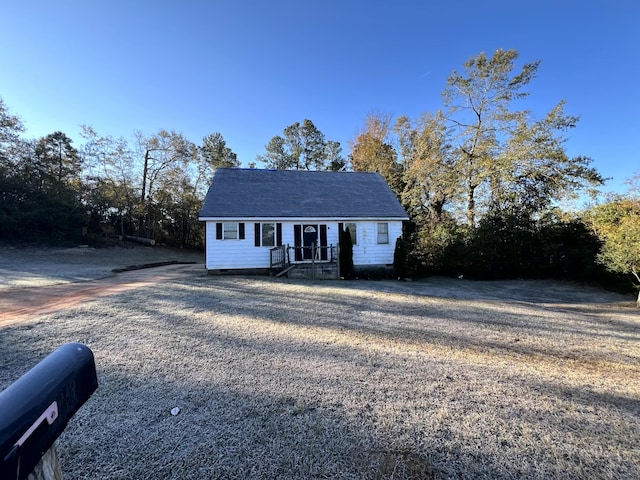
(508, 244)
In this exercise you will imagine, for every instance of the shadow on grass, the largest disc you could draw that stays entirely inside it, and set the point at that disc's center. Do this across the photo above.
(254, 406)
(480, 326)
(223, 430)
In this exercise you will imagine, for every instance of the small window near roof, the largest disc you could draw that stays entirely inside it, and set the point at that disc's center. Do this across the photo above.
(352, 231)
(383, 233)
(230, 231)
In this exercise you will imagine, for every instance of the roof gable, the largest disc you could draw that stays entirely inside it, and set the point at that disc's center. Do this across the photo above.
(253, 193)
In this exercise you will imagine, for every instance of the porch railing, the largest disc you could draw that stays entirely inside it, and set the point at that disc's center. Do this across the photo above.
(278, 257)
(313, 253)
(282, 256)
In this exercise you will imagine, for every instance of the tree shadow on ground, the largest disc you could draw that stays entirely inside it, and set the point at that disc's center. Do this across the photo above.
(311, 400)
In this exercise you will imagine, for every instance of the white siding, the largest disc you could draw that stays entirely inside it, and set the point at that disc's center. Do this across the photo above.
(231, 254)
(368, 251)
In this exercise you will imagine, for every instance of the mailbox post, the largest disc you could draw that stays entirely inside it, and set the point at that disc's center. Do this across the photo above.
(36, 408)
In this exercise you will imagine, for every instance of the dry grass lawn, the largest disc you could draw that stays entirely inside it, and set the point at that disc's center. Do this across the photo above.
(298, 379)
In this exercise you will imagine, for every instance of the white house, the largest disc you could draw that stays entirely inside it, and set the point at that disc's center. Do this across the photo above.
(249, 212)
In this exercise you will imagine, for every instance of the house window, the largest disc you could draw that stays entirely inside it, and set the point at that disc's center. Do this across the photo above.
(268, 234)
(383, 233)
(351, 227)
(230, 231)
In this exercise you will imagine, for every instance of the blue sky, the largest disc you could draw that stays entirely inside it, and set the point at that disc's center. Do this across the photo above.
(247, 69)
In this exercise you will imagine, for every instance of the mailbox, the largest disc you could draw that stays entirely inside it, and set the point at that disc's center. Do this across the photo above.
(36, 408)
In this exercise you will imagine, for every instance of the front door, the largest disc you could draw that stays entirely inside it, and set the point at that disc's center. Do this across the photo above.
(309, 241)
(308, 236)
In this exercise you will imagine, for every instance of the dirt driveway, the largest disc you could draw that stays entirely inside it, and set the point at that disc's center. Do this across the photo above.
(17, 304)
(41, 280)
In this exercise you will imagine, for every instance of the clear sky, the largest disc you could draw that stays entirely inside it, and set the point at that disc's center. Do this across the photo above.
(247, 69)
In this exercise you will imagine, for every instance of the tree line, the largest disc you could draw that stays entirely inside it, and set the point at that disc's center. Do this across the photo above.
(483, 180)
(151, 186)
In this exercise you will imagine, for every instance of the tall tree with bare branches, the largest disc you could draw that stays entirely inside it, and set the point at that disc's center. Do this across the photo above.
(503, 155)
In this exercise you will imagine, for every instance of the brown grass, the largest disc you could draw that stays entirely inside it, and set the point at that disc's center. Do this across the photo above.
(297, 379)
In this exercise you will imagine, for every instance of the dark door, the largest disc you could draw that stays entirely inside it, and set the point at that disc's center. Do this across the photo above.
(305, 237)
(309, 240)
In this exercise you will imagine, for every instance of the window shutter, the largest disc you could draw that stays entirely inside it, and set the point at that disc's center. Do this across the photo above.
(323, 242)
(297, 235)
(218, 231)
(278, 234)
(256, 229)
(323, 235)
(241, 231)
(340, 229)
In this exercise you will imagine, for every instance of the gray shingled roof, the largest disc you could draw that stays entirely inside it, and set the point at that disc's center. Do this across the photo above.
(252, 193)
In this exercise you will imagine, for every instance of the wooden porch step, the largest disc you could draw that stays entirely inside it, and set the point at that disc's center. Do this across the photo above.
(288, 269)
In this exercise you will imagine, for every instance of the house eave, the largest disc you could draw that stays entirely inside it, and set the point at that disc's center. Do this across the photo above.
(304, 219)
